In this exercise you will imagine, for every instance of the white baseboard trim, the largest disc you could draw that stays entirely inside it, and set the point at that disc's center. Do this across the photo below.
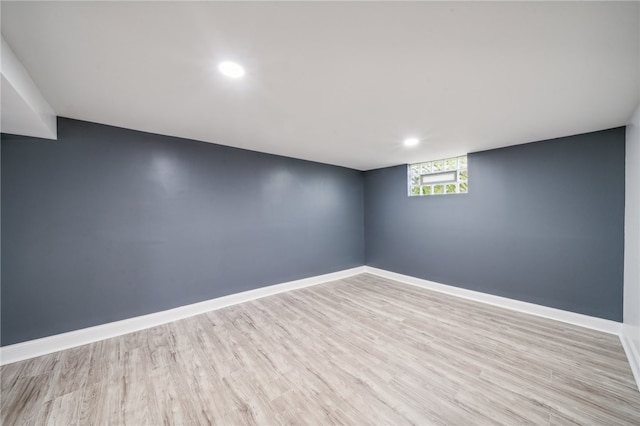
(58, 342)
(586, 321)
(33, 348)
(632, 354)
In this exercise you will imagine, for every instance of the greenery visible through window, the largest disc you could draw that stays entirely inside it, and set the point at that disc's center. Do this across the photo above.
(448, 176)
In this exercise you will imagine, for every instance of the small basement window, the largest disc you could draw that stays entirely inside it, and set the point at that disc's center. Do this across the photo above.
(448, 176)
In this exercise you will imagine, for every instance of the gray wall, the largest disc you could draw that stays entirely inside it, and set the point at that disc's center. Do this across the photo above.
(542, 223)
(108, 223)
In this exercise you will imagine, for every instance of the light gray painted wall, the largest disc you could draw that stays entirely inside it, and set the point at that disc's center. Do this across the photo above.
(542, 223)
(107, 223)
(632, 241)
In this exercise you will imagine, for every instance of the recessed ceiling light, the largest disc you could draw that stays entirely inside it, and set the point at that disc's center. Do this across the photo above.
(231, 69)
(411, 142)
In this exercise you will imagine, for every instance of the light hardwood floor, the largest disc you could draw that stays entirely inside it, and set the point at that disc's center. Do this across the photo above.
(363, 350)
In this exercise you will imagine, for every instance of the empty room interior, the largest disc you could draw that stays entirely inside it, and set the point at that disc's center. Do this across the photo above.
(316, 213)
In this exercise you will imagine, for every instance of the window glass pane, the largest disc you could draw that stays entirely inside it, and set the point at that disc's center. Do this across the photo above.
(447, 176)
(439, 177)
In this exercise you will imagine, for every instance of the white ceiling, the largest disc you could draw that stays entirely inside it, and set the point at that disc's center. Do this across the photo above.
(337, 82)
(23, 110)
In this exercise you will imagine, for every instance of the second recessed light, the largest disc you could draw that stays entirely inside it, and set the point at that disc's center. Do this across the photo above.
(409, 142)
(231, 69)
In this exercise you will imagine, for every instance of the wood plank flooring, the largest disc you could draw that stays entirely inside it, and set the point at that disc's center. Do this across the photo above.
(363, 350)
